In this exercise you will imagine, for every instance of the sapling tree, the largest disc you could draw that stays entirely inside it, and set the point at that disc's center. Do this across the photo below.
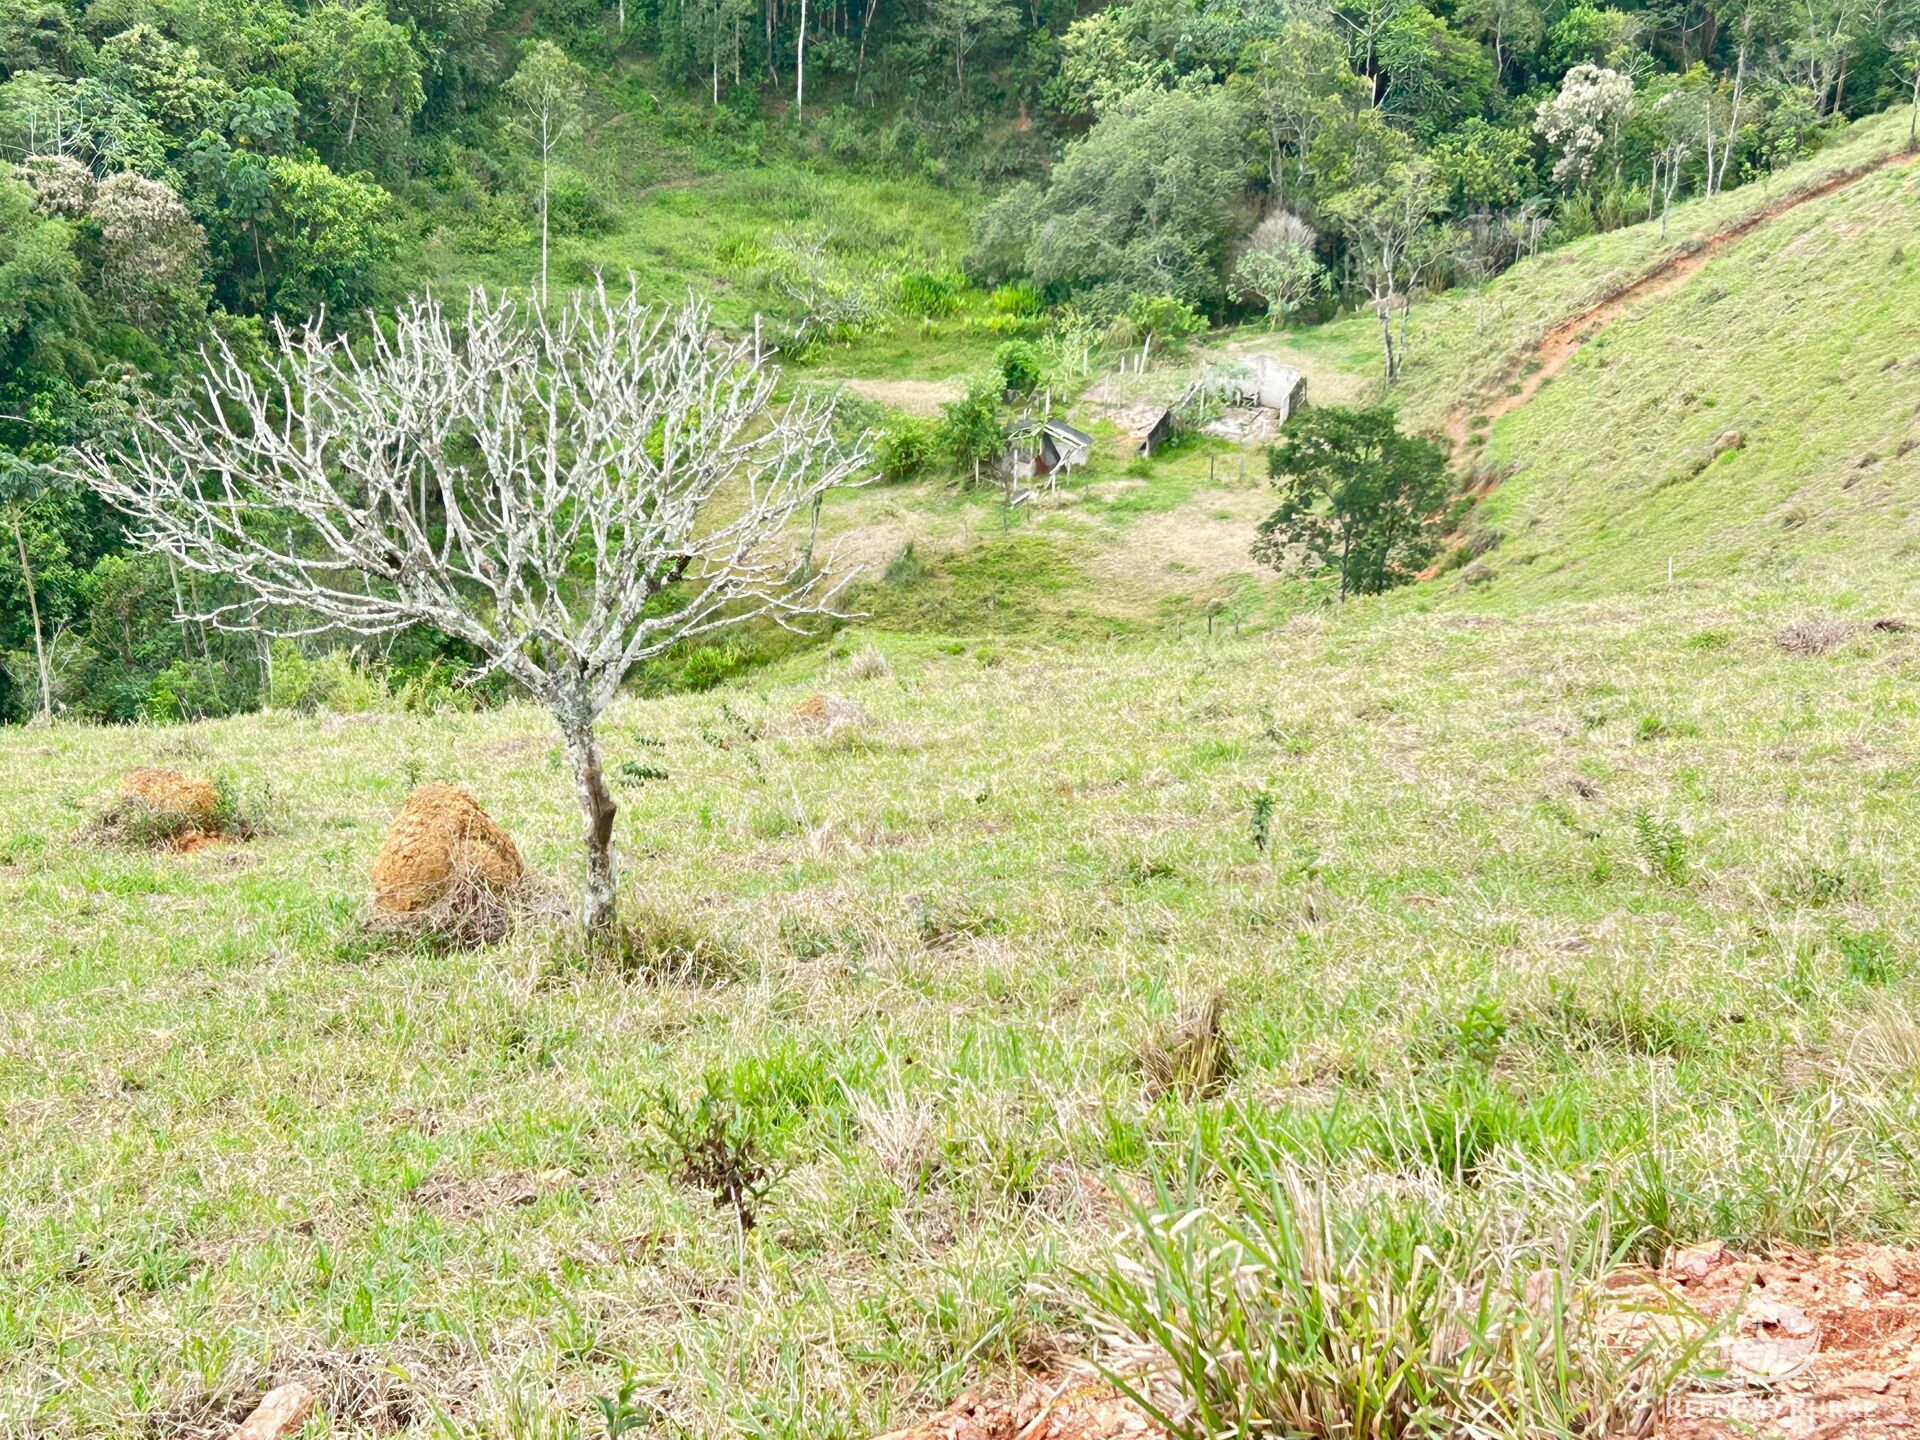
(568, 490)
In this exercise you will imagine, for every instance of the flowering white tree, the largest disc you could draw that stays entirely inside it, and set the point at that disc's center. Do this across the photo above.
(1583, 121)
(529, 481)
(1278, 266)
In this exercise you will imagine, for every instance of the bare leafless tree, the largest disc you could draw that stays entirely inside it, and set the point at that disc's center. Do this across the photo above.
(527, 480)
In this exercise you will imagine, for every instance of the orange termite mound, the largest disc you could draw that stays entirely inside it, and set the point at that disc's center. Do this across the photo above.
(441, 838)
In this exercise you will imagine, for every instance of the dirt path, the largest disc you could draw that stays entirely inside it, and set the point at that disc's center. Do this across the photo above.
(917, 397)
(1550, 356)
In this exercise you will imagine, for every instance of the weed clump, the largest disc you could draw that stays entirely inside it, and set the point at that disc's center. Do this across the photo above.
(1810, 637)
(1296, 1310)
(1193, 1059)
(655, 946)
(824, 714)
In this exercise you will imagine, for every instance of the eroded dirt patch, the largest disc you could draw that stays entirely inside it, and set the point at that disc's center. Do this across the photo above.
(1809, 1346)
(471, 1199)
(1069, 1405)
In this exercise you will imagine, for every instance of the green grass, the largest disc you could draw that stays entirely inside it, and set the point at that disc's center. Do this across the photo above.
(949, 933)
(1800, 339)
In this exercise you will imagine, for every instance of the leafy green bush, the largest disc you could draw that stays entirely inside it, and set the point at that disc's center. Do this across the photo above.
(575, 208)
(969, 434)
(1166, 319)
(930, 294)
(1022, 367)
(904, 447)
(332, 681)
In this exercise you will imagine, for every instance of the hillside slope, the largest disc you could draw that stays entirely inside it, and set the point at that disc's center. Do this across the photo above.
(1737, 396)
(1741, 399)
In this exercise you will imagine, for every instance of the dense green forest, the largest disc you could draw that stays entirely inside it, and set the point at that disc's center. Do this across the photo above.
(1135, 170)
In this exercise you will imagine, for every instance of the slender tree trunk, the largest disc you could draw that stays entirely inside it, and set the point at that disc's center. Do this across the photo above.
(39, 642)
(1717, 182)
(1913, 125)
(546, 176)
(1383, 308)
(599, 909)
(800, 63)
(860, 60)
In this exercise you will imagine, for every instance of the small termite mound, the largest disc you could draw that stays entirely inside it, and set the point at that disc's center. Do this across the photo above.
(159, 809)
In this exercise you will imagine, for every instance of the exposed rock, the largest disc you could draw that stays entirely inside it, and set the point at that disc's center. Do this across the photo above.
(828, 714)
(1699, 1261)
(1773, 1340)
(440, 840)
(281, 1412)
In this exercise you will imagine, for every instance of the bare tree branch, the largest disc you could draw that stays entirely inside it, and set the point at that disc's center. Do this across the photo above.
(584, 458)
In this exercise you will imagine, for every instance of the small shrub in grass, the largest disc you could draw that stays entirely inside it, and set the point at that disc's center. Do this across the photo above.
(654, 945)
(903, 448)
(1479, 1030)
(1867, 958)
(1286, 1309)
(907, 567)
(1663, 847)
(717, 1144)
(868, 664)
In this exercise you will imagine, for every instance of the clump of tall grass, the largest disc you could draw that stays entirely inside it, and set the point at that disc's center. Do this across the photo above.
(1285, 1307)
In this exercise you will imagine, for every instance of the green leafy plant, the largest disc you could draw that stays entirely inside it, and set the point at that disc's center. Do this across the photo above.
(1662, 845)
(717, 1144)
(1358, 498)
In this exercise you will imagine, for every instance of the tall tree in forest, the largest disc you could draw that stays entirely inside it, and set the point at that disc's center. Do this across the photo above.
(545, 92)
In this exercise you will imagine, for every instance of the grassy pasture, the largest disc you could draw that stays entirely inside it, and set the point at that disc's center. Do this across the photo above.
(1609, 903)
(1572, 895)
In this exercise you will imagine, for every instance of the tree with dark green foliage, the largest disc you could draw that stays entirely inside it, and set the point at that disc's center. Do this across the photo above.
(1358, 498)
(1021, 365)
(970, 433)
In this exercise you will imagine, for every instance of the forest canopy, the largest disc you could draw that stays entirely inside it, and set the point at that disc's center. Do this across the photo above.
(172, 170)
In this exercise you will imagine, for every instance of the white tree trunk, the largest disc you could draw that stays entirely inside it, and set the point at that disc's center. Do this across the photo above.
(546, 176)
(39, 642)
(800, 63)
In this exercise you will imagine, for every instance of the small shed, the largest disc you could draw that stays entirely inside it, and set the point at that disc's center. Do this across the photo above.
(1275, 385)
(1158, 434)
(1047, 447)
